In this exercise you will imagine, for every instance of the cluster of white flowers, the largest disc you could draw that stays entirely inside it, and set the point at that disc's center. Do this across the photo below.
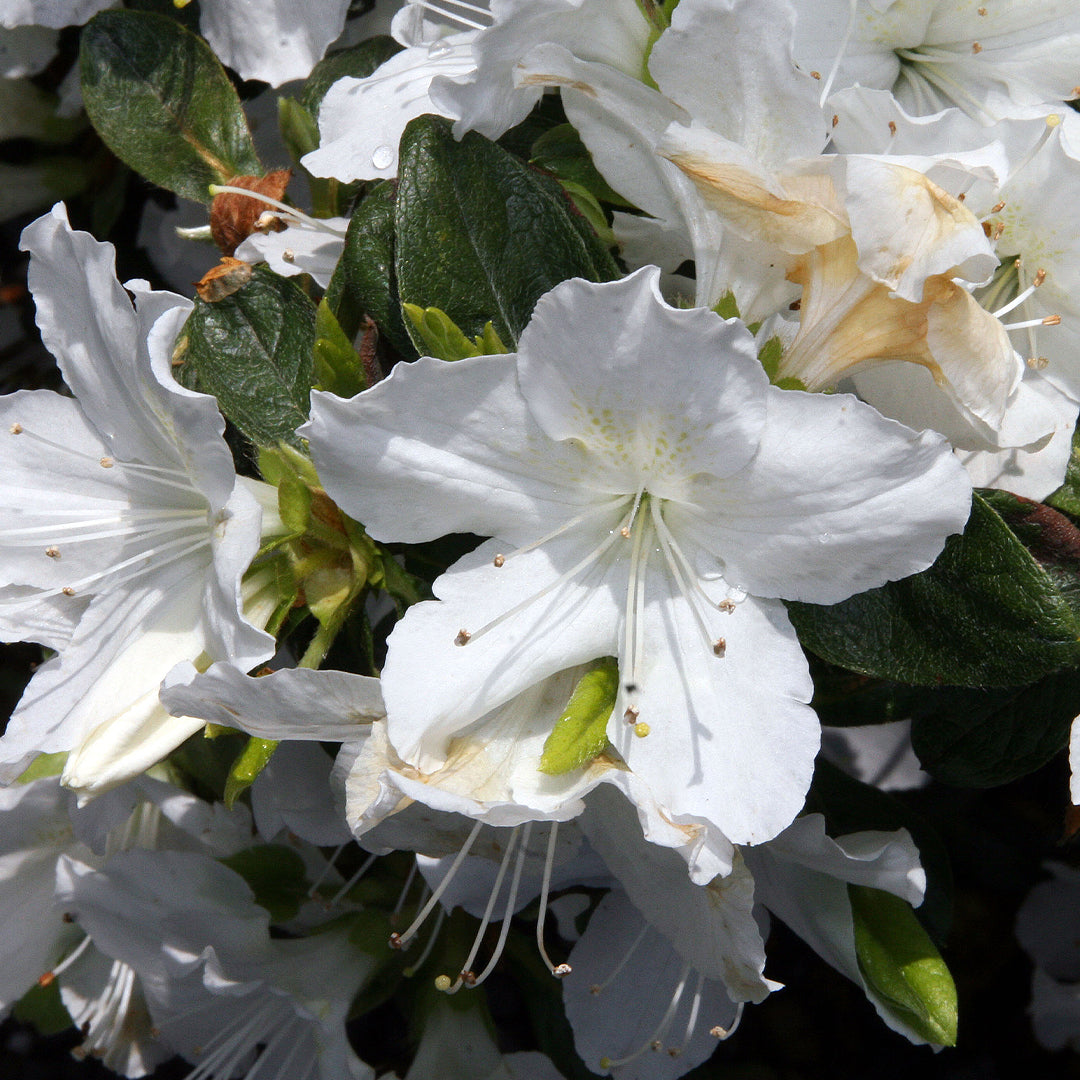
(879, 190)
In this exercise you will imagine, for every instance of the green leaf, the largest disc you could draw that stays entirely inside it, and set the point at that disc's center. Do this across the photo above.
(357, 62)
(245, 769)
(338, 367)
(365, 281)
(900, 962)
(480, 235)
(253, 352)
(294, 504)
(981, 738)
(560, 151)
(581, 732)
(163, 104)
(276, 876)
(299, 131)
(441, 337)
(1067, 497)
(44, 765)
(43, 1007)
(985, 614)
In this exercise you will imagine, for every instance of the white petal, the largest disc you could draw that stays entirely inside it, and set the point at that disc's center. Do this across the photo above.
(273, 42)
(438, 448)
(838, 500)
(299, 249)
(627, 403)
(626, 1012)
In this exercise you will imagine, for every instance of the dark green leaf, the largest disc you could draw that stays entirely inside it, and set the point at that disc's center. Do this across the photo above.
(899, 961)
(986, 614)
(480, 235)
(980, 738)
(276, 876)
(163, 104)
(365, 282)
(561, 151)
(358, 62)
(253, 351)
(1067, 497)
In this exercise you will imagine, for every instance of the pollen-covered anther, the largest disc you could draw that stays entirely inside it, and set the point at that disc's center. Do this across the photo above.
(463, 637)
(1037, 363)
(719, 647)
(976, 48)
(16, 428)
(468, 978)
(815, 75)
(1040, 277)
(624, 532)
(499, 560)
(106, 462)
(1052, 320)
(641, 730)
(560, 971)
(288, 255)
(727, 605)
(996, 209)
(717, 1032)
(631, 714)
(67, 590)
(395, 941)
(892, 127)
(835, 119)
(53, 552)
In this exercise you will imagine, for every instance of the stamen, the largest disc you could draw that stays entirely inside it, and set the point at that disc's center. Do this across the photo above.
(665, 1022)
(722, 1033)
(324, 873)
(399, 941)
(409, 878)
(47, 978)
(504, 863)
(691, 1023)
(558, 970)
(566, 526)
(844, 41)
(633, 637)
(1049, 320)
(365, 866)
(1040, 277)
(418, 963)
(599, 988)
(289, 211)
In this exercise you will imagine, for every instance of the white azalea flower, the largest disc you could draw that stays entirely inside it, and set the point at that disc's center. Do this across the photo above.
(631, 519)
(128, 530)
(218, 987)
(308, 246)
(991, 60)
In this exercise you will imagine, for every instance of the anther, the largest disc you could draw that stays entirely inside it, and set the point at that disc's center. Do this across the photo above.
(1052, 320)
(641, 730)
(462, 638)
(962, 196)
(67, 590)
(624, 532)
(52, 552)
(595, 989)
(892, 127)
(1037, 363)
(560, 971)
(631, 714)
(795, 305)
(815, 75)
(16, 429)
(982, 11)
(499, 560)
(1040, 277)
(288, 255)
(718, 1032)
(468, 978)
(976, 48)
(719, 647)
(106, 463)
(997, 208)
(835, 119)
(396, 943)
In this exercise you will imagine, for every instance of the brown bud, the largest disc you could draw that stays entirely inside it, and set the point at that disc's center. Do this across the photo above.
(224, 279)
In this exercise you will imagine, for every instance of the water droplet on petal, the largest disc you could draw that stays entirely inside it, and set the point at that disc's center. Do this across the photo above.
(824, 538)
(382, 157)
(437, 49)
(736, 594)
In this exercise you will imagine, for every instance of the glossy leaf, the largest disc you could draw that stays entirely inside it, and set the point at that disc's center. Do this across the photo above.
(163, 104)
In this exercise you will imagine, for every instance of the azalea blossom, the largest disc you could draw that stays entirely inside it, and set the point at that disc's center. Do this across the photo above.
(633, 520)
(992, 61)
(128, 530)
